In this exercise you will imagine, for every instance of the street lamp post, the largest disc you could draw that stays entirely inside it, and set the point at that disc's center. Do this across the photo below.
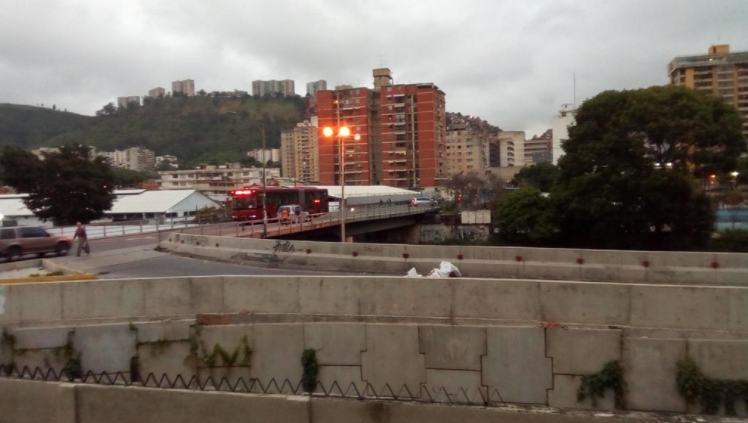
(342, 133)
(264, 184)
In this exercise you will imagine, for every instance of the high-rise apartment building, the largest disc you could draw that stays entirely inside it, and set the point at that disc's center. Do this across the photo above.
(300, 152)
(560, 130)
(123, 102)
(312, 88)
(402, 132)
(157, 92)
(512, 148)
(467, 149)
(186, 87)
(538, 148)
(718, 73)
(285, 87)
(269, 154)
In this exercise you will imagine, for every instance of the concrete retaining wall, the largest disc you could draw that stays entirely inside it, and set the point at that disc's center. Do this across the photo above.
(717, 308)
(515, 341)
(448, 363)
(40, 402)
(494, 262)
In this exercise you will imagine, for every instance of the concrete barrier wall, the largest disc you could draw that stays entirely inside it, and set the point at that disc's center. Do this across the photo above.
(722, 308)
(495, 262)
(462, 363)
(42, 402)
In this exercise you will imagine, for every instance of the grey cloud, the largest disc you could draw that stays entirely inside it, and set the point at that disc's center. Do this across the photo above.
(510, 62)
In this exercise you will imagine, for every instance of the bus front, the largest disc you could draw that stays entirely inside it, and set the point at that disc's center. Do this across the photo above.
(244, 205)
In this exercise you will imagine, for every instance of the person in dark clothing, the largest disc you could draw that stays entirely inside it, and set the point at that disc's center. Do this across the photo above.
(80, 233)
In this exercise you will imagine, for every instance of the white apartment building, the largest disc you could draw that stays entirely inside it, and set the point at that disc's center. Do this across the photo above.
(136, 158)
(561, 122)
(300, 152)
(187, 87)
(123, 102)
(538, 148)
(285, 87)
(468, 150)
(313, 87)
(272, 154)
(512, 148)
(157, 92)
(216, 179)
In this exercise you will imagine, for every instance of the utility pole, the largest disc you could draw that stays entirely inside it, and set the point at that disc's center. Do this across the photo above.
(261, 127)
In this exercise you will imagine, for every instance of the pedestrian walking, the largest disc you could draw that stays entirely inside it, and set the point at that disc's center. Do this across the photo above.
(80, 233)
(284, 215)
(297, 212)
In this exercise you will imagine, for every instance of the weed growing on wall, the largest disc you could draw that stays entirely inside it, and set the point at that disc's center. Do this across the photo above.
(696, 388)
(227, 358)
(610, 377)
(311, 369)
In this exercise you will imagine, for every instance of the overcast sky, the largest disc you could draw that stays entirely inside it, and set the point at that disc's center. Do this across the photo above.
(509, 62)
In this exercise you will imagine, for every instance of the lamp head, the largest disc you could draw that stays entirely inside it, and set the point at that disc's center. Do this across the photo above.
(327, 131)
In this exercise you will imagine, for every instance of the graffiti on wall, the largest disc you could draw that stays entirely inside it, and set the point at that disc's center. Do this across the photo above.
(437, 233)
(280, 251)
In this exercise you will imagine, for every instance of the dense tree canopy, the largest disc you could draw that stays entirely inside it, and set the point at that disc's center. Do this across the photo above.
(541, 176)
(66, 187)
(526, 217)
(628, 178)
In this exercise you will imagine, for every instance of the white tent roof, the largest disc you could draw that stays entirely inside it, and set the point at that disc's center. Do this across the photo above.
(12, 205)
(127, 202)
(366, 190)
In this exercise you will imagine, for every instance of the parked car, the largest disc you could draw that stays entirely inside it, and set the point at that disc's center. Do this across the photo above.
(422, 201)
(19, 241)
(292, 217)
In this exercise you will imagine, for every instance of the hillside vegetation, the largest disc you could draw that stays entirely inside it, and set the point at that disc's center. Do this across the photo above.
(196, 129)
(30, 126)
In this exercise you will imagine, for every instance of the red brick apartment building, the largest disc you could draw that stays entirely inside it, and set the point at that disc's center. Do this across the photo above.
(402, 129)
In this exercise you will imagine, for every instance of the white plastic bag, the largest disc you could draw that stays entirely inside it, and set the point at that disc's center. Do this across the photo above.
(412, 273)
(445, 270)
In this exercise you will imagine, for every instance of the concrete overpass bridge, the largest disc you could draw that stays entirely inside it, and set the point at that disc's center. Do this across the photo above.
(359, 220)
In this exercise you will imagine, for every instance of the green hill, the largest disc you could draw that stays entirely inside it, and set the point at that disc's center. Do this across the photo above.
(196, 129)
(29, 126)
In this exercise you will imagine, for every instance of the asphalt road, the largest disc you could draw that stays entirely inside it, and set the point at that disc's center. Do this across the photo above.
(135, 257)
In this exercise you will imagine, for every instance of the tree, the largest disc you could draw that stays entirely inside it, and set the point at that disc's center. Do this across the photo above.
(107, 110)
(66, 187)
(541, 176)
(626, 180)
(526, 217)
(128, 177)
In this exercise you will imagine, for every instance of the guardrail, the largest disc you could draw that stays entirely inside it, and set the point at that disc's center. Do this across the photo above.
(122, 228)
(294, 224)
(277, 225)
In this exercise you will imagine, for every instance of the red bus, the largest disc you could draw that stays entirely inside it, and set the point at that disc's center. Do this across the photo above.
(246, 203)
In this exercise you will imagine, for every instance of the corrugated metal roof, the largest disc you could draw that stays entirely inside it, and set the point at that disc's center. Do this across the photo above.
(153, 201)
(144, 202)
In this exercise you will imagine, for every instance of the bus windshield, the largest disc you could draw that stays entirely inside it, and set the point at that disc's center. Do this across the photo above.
(245, 203)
